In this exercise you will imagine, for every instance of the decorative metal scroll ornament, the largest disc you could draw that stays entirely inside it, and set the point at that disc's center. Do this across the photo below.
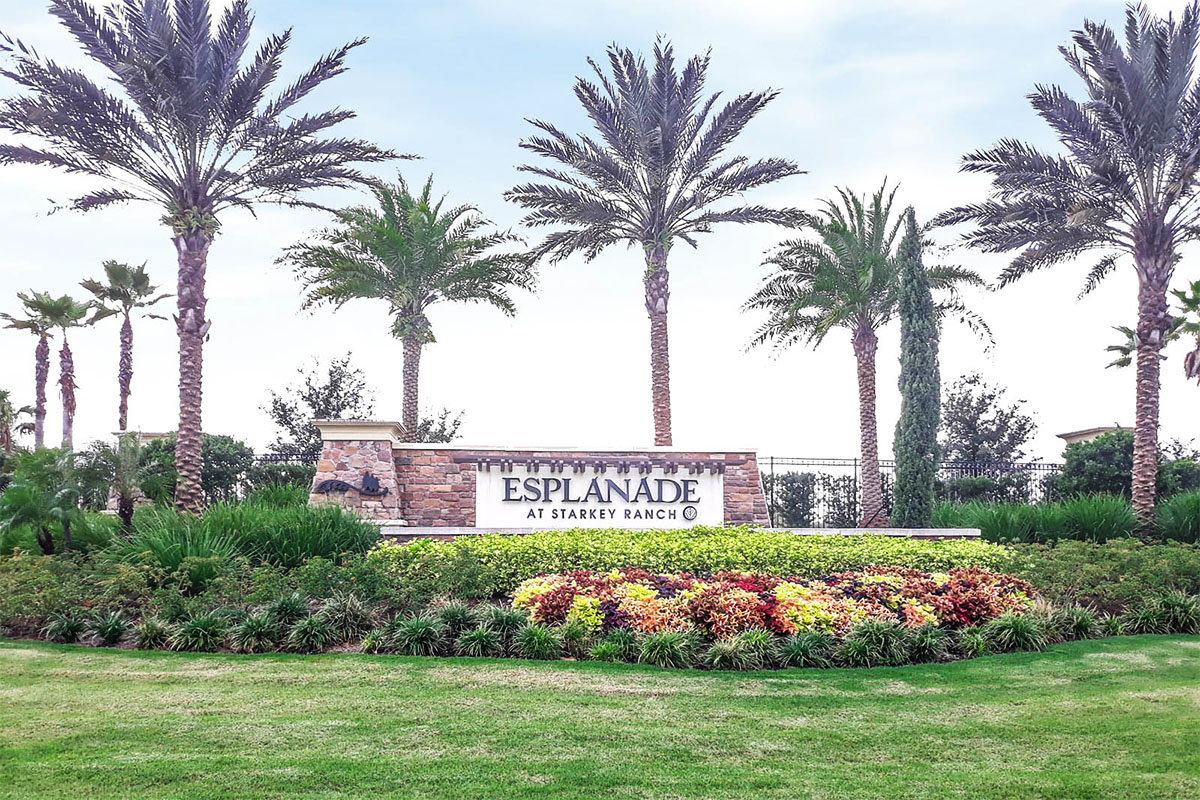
(370, 486)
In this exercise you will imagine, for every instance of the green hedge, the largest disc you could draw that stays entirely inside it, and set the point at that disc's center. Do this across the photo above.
(509, 559)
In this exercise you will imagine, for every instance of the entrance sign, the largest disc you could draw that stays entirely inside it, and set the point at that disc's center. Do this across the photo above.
(598, 496)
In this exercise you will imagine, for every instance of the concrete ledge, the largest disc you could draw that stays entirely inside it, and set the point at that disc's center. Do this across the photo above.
(393, 530)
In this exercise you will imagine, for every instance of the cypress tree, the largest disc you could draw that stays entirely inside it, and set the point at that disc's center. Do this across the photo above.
(916, 445)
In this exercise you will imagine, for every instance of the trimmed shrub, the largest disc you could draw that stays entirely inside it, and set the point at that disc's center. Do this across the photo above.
(728, 654)
(256, 633)
(109, 628)
(807, 650)
(152, 634)
(311, 635)
(202, 633)
(416, 635)
(1011, 632)
(537, 642)
(508, 560)
(479, 643)
(669, 649)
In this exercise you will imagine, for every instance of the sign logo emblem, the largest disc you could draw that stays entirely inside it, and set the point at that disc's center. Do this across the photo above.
(690, 513)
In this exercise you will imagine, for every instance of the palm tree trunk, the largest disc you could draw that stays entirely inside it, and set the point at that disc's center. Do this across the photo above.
(41, 374)
(1154, 275)
(658, 292)
(865, 345)
(412, 379)
(125, 373)
(192, 252)
(66, 385)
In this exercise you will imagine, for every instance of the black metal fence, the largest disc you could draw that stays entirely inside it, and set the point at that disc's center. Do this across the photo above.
(815, 492)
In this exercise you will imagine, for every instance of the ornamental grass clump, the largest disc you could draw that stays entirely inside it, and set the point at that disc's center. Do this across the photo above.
(811, 649)
(606, 651)
(625, 641)
(928, 643)
(669, 649)
(1011, 632)
(479, 643)
(576, 638)
(761, 647)
(416, 635)
(458, 616)
(972, 642)
(288, 609)
(1074, 622)
(348, 615)
(64, 627)
(152, 634)
(728, 654)
(1180, 610)
(537, 642)
(110, 628)
(874, 643)
(203, 633)
(255, 633)
(310, 635)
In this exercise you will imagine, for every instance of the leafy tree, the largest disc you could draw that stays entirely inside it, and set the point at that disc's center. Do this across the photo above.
(1127, 186)
(845, 276)
(412, 253)
(11, 425)
(1104, 465)
(916, 445)
(43, 495)
(186, 128)
(36, 322)
(124, 290)
(979, 427)
(655, 176)
(440, 428)
(337, 392)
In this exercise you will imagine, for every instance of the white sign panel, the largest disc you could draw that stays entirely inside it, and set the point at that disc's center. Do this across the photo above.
(606, 498)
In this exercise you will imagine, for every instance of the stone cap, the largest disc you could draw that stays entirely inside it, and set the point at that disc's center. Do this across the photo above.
(360, 430)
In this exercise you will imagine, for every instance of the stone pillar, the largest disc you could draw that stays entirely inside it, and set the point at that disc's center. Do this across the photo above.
(354, 450)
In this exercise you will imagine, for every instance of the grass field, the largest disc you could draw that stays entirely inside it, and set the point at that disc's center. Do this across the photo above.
(1116, 718)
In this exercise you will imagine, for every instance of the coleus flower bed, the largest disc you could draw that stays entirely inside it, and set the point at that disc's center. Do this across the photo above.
(726, 603)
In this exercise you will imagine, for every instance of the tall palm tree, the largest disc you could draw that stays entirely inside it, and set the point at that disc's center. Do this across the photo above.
(846, 274)
(11, 425)
(124, 290)
(655, 176)
(36, 323)
(186, 127)
(1126, 185)
(411, 252)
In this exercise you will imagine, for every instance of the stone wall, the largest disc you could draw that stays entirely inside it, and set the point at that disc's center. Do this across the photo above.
(349, 460)
(437, 486)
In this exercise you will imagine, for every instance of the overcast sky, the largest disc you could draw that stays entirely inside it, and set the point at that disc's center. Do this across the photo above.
(869, 90)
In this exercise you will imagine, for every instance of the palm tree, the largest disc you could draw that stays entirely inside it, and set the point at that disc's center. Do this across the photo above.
(1126, 185)
(411, 252)
(125, 289)
(11, 425)
(654, 177)
(65, 313)
(187, 129)
(847, 275)
(1189, 308)
(37, 324)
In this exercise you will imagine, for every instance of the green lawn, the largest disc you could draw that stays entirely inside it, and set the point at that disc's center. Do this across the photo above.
(1117, 718)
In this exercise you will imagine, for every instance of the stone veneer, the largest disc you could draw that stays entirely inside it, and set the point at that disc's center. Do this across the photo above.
(352, 448)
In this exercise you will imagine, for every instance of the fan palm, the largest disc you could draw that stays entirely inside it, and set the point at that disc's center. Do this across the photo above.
(11, 425)
(37, 324)
(187, 129)
(846, 275)
(1126, 186)
(124, 290)
(412, 253)
(654, 177)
